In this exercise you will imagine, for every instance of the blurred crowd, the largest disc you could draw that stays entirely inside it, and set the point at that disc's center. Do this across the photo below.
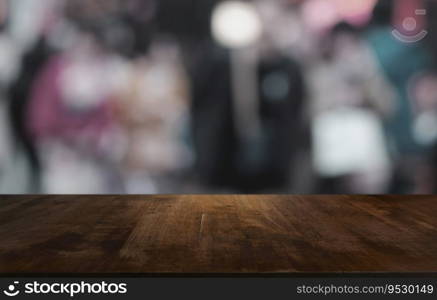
(209, 96)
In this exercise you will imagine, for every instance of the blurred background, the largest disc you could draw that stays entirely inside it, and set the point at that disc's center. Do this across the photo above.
(209, 96)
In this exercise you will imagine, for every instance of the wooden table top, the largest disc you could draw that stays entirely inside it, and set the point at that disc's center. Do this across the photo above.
(218, 234)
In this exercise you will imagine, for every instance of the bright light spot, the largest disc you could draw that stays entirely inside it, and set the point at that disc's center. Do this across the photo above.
(236, 24)
(348, 141)
(425, 128)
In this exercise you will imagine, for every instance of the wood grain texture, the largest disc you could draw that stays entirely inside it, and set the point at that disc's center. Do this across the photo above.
(147, 234)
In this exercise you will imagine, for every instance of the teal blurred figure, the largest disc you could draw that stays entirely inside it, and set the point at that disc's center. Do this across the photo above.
(400, 62)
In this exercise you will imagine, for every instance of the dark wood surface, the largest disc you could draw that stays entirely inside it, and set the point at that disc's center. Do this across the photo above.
(146, 234)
